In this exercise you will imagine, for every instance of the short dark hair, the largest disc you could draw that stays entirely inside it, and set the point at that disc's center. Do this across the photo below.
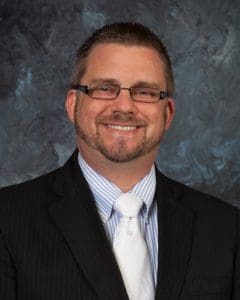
(124, 33)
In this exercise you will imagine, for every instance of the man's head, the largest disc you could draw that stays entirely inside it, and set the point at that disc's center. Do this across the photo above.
(128, 34)
(124, 106)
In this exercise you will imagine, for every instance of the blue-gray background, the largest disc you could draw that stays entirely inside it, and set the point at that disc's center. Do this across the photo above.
(38, 40)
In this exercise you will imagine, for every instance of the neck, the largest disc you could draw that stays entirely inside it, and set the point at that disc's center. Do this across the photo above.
(124, 175)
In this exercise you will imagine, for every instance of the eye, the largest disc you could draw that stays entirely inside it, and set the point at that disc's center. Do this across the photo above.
(149, 92)
(142, 92)
(105, 88)
(104, 91)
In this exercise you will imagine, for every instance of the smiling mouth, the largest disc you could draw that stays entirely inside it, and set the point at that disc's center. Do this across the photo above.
(122, 128)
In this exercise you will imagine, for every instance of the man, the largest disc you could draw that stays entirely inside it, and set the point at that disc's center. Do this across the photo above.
(62, 234)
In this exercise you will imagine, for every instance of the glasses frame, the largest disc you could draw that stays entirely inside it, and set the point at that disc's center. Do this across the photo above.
(87, 90)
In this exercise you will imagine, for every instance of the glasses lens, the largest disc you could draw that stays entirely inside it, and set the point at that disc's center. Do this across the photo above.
(104, 91)
(145, 94)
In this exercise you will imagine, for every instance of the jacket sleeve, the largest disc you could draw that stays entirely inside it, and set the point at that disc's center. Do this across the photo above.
(236, 278)
(7, 272)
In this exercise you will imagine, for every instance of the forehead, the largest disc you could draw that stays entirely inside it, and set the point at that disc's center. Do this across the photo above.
(124, 63)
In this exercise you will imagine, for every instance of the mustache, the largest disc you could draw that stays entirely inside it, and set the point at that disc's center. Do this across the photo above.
(121, 118)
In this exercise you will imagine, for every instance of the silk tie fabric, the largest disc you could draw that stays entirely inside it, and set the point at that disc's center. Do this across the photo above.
(131, 251)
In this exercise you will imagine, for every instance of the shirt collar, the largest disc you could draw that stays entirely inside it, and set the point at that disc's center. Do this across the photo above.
(105, 192)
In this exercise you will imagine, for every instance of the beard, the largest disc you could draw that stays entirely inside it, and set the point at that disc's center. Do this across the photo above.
(118, 151)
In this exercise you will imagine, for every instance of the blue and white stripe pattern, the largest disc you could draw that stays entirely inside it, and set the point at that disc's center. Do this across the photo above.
(105, 194)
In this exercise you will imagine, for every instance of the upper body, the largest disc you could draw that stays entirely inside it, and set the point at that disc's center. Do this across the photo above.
(53, 242)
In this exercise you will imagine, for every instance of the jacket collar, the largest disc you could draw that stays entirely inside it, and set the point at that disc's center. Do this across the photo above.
(76, 215)
(175, 231)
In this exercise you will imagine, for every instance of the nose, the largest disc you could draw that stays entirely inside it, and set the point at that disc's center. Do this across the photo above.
(123, 102)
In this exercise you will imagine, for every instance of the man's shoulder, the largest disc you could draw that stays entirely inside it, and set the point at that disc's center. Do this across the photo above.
(196, 200)
(39, 180)
(36, 188)
(38, 185)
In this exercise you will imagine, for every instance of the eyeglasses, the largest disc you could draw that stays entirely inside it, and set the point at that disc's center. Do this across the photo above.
(111, 92)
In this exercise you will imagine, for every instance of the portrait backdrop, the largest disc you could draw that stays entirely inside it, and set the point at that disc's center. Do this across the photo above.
(38, 41)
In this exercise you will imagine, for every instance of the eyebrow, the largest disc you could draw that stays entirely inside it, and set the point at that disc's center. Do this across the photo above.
(146, 84)
(104, 80)
(114, 81)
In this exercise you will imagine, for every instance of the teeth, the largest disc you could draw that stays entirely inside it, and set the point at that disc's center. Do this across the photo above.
(124, 128)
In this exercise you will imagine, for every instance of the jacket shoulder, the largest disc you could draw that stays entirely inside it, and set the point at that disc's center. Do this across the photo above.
(35, 187)
(197, 200)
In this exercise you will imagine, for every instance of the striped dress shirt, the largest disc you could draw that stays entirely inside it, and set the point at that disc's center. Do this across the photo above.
(105, 193)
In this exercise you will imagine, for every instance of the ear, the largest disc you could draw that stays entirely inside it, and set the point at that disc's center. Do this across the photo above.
(70, 104)
(170, 111)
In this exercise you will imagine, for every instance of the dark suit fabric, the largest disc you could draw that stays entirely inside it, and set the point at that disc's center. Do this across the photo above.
(53, 245)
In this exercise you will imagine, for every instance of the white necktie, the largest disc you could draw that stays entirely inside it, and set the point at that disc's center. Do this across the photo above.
(131, 250)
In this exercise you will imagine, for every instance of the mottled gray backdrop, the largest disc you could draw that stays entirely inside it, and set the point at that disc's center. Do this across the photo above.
(38, 40)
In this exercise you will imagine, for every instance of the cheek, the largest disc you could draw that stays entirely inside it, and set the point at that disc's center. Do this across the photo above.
(87, 112)
(82, 114)
(85, 119)
(157, 122)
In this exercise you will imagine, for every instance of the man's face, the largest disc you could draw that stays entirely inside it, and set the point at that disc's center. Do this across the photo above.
(122, 129)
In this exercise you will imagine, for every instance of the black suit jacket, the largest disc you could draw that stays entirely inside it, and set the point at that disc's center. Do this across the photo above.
(53, 245)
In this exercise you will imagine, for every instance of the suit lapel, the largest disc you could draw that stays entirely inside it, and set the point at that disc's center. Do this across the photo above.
(175, 227)
(77, 217)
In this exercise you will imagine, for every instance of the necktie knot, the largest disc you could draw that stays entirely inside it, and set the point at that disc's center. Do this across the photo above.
(128, 205)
